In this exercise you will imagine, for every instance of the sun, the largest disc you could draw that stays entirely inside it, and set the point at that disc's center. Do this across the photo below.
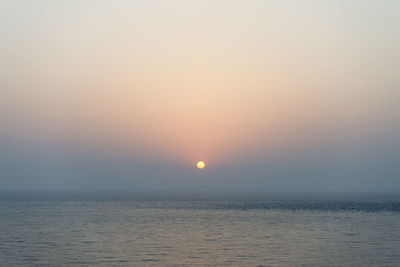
(201, 165)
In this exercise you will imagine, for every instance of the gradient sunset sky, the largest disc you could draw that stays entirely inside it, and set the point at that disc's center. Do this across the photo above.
(129, 95)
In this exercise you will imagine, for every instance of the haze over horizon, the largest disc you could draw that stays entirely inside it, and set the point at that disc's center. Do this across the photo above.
(128, 95)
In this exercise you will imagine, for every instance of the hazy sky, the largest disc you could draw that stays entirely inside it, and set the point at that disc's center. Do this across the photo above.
(272, 95)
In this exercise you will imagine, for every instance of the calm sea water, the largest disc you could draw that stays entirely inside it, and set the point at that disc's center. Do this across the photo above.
(58, 229)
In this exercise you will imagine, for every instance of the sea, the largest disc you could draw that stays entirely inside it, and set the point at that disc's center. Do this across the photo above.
(198, 229)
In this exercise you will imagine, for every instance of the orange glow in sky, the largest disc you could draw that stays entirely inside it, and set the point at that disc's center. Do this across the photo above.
(207, 83)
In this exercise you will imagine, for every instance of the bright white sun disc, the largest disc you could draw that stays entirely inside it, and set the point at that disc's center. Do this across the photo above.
(201, 164)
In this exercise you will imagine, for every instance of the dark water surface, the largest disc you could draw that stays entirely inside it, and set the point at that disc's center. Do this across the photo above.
(128, 229)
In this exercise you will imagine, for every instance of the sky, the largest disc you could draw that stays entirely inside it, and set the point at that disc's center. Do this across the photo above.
(274, 96)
